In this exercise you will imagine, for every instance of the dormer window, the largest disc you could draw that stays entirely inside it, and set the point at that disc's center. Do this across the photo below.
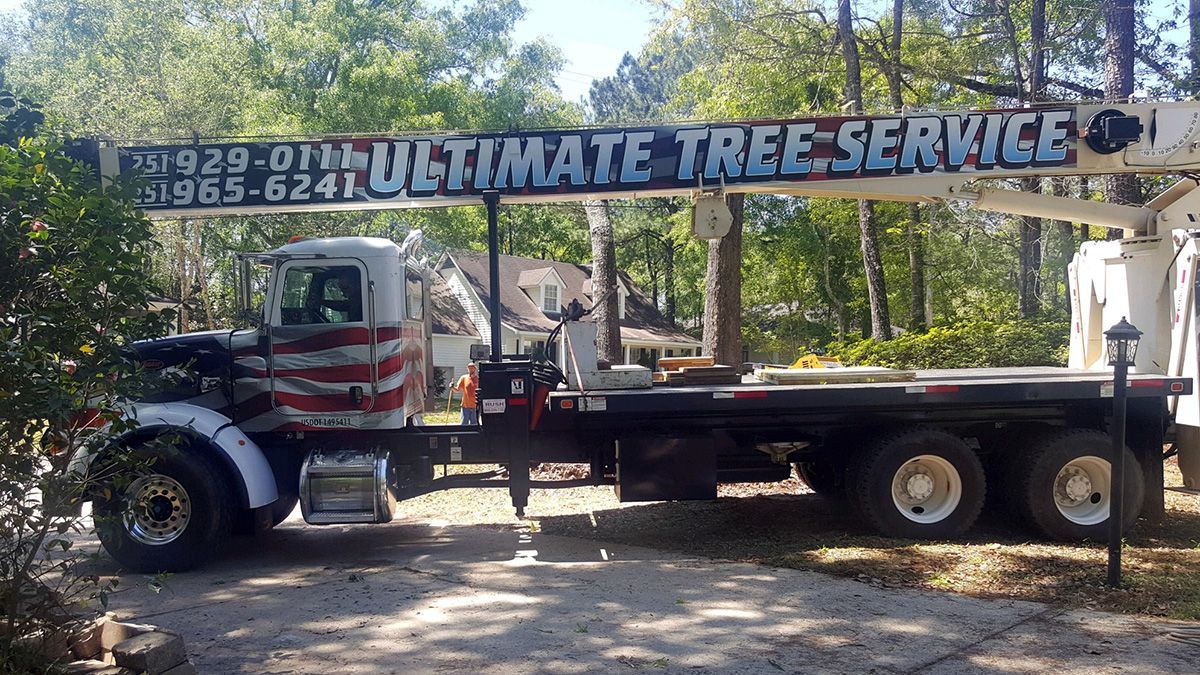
(550, 298)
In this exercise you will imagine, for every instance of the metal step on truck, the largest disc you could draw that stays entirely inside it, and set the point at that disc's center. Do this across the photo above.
(318, 400)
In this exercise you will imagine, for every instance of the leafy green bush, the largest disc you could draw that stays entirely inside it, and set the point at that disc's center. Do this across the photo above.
(74, 284)
(979, 344)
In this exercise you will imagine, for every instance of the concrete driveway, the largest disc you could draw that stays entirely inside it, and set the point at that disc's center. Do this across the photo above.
(420, 597)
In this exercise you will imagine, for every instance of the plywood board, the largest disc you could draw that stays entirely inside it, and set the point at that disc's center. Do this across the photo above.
(834, 375)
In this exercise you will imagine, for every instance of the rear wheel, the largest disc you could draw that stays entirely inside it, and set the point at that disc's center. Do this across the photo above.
(171, 518)
(823, 478)
(918, 483)
(1063, 485)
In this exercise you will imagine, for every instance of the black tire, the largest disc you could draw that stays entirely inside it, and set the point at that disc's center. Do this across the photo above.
(948, 467)
(253, 522)
(282, 508)
(1038, 487)
(203, 488)
(824, 478)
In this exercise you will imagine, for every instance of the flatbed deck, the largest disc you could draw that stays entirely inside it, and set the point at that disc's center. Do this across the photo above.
(967, 386)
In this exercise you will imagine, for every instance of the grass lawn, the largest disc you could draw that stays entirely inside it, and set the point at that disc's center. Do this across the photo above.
(439, 414)
(782, 524)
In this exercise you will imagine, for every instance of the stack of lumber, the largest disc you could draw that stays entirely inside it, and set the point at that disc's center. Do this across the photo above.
(682, 371)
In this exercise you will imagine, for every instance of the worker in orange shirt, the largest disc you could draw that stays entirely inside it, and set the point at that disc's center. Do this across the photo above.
(468, 384)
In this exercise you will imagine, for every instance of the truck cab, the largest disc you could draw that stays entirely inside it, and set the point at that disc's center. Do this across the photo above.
(340, 343)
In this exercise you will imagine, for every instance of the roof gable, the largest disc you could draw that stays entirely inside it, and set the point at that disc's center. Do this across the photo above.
(518, 310)
(539, 276)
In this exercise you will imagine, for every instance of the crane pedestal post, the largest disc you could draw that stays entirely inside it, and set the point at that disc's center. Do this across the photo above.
(492, 201)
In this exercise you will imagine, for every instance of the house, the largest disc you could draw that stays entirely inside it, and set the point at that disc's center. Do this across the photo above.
(532, 292)
(453, 333)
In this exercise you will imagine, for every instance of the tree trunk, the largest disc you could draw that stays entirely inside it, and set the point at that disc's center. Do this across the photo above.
(651, 267)
(1029, 253)
(668, 244)
(1058, 188)
(894, 80)
(916, 269)
(202, 276)
(604, 281)
(723, 291)
(1118, 86)
(881, 325)
(916, 245)
(1194, 46)
(1037, 56)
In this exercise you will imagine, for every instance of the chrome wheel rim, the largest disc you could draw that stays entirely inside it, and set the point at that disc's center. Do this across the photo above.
(157, 510)
(1083, 489)
(927, 489)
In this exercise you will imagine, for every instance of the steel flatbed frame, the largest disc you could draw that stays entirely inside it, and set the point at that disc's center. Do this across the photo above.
(716, 432)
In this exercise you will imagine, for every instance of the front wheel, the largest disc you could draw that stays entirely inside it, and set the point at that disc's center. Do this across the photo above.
(170, 518)
(282, 508)
(918, 483)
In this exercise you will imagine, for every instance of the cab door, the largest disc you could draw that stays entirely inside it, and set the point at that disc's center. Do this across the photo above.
(322, 342)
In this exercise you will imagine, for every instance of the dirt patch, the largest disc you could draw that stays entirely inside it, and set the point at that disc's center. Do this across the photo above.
(783, 524)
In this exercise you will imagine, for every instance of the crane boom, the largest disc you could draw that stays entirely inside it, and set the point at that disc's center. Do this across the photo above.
(911, 156)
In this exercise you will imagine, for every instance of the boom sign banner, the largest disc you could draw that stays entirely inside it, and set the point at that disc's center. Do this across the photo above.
(445, 170)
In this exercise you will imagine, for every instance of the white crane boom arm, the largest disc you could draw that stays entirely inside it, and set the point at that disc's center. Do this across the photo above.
(912, 156)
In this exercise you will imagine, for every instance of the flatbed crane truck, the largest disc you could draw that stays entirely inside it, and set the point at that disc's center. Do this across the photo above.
(319, 401)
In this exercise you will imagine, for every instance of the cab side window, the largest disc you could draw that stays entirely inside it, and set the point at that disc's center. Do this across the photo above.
(315, 295)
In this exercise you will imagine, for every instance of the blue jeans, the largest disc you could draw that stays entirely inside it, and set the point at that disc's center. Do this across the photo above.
(469, 416)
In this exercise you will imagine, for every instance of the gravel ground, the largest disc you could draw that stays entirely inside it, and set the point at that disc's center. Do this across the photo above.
(784, 524)
(415, 597)
(458, 584)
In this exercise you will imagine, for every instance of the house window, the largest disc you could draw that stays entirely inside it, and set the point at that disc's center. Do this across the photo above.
(550, 298)
(537, 349)
(620, 304)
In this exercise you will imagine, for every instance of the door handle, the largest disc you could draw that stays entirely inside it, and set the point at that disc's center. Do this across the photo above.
(356, 395)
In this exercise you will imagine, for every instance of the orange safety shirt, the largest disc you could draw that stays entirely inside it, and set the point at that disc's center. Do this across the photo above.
(467, 387)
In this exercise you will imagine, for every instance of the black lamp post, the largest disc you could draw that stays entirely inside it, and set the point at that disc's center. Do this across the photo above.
(1122, 341)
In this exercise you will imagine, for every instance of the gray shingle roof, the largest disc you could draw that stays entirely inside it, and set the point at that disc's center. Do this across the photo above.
(642, 319)
(448, 316)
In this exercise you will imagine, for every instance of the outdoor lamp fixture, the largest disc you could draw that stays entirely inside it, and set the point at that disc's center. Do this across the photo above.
(1122, 341)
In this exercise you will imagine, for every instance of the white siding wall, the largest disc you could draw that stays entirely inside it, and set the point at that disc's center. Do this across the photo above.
(451, 355)
(458, 285)
(452, 351)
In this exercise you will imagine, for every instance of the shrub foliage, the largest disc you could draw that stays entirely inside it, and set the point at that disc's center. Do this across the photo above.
(74, 284)
(979, 344)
